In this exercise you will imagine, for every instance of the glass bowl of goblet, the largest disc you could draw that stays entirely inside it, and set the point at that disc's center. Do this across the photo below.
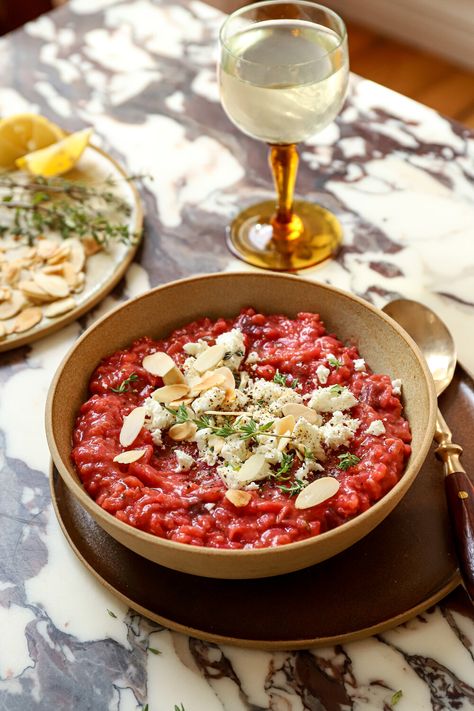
(283, 76)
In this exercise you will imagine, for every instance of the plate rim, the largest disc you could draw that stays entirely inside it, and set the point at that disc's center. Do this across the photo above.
(24, 339)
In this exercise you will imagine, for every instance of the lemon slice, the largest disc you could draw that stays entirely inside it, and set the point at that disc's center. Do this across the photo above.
(24, 133)
(58, 158)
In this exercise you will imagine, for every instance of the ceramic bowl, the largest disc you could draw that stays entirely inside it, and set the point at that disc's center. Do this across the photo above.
(386, 347)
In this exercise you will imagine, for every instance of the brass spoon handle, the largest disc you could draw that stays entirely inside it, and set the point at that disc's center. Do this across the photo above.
(460, 498)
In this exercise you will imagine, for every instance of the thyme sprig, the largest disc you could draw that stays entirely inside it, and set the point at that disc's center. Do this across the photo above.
(246, 431)
(125, 385)
(347, 460)
(294, 488)
(332, 360)
(283, 472)
(69, 208)
(282, 380)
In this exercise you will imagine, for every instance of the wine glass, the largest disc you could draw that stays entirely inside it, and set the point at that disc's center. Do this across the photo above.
(283, 75)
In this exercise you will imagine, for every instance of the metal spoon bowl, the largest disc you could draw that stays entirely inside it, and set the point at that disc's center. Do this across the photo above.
(432, 336)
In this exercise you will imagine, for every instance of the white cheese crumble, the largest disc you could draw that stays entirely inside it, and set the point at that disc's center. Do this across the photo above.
(209, 400)
(339, 430)
(309, 465)
(329, 400)
(397, 386)
(323, 373)
(376, 428)
(233, 342)
(185, 461)
(195, 349)
(308, 437)
(157, 418)
(208, 453)
(234, 450)
(359, 365)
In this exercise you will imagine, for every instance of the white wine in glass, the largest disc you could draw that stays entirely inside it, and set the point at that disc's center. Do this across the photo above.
(283, 77)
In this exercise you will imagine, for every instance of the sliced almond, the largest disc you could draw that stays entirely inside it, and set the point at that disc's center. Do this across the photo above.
(131, 455)
(317, 492)
(80, 282)
(5, 293)
(181, 401)
(182, 431)
(11, 273)
(208, 381)
(229, 380)
(58, 308)
(77, 255)
(132, 424)
(283, 441)
(174, 377)
(54, 285)
(27, 319)
(168, 393)
(293, 408)
(158, 363)
(10, 308)
(3, 330)
(34, 292)
(91, 246)
(216, 442)
(237, 497)
(60, 254)
(256, 467)
(284, 425)
(46, 248)
(69, 274)
(209, 358)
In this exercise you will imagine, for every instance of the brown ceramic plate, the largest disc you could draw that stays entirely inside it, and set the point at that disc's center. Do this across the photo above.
(384, 345)
(104, 269)
(405, 565)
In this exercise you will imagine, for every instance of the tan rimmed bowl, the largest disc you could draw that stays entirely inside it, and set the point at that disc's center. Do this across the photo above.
(385, 346)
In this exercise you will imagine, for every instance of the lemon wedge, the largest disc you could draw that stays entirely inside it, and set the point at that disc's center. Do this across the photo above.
(57, 158)
(24, 133)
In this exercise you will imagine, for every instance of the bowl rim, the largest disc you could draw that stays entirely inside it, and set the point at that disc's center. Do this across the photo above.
(204, 551)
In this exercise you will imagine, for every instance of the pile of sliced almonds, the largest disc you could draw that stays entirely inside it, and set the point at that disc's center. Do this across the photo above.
(40, 281)
(181, 390)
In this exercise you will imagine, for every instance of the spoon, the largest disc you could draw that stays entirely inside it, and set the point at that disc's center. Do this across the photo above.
(437, 345)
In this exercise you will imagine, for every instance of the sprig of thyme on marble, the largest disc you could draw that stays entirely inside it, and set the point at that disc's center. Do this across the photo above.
(69, 208)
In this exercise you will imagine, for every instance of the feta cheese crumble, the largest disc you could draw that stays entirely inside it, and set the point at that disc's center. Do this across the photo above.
(359, 365)
(376, 428)
(233, 341)
(397, 386)
(323, 373)
(329, 400)
(185, 461)
(339, 430)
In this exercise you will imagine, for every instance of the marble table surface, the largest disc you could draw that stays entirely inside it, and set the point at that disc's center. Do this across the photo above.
(400, 178)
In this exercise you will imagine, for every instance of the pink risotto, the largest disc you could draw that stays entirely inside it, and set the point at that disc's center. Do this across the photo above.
(248, 432)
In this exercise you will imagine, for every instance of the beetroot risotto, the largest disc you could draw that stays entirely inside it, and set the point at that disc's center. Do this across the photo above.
(248, 432)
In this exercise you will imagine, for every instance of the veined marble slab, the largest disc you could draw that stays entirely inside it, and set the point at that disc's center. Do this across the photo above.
(400, 178)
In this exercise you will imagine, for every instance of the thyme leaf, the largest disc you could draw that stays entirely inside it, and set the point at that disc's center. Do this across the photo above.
(125, 385)
(332, 360)
(282, 380)
(336, 389)
(347, 460)
(293, 488)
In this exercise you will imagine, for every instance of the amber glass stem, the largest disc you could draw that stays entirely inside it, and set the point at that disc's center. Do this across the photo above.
(284, 165)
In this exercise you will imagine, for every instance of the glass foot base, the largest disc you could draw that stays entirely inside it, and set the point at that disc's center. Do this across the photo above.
(314, 236)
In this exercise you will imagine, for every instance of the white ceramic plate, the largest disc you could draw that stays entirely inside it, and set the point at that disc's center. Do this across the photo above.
(104, 269)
